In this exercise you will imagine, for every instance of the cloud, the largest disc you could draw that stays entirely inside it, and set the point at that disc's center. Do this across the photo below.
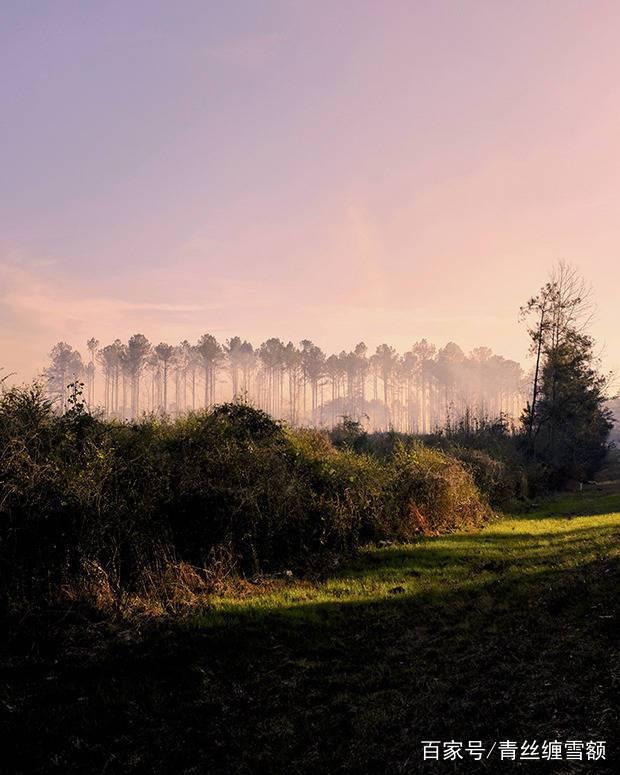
(38, 309)
(49, 301)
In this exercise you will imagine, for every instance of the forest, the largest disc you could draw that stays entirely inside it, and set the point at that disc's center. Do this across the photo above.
(415, 392)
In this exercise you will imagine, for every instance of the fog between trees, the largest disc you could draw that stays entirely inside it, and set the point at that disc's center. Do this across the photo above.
(415, 391)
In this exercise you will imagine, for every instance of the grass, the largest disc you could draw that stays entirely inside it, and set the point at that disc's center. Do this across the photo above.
(506, 633)
(511, 548)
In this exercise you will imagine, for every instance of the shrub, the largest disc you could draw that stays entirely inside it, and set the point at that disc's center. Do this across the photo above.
(497, 480)
(349, 434)
(434, 492)
(109, 508)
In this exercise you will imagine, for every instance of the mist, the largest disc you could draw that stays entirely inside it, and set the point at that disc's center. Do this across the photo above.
(417, 391)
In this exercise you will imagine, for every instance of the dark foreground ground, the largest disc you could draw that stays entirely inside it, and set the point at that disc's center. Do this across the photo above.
(507, 634)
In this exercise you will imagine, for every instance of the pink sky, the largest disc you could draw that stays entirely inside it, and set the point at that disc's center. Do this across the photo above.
(335, 171)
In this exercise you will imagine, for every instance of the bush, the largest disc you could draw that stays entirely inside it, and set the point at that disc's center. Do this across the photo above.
(497, 480)
(93, 504)
(434, 492)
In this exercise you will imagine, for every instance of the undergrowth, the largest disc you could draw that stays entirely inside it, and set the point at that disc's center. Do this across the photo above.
(110, 512)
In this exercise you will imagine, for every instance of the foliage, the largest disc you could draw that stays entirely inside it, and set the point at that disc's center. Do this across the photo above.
(489, 450)
(571, 421)
(414, 392)
(349, 433)
(567, 420)
(87, 499)
(512, 628)
(614, 408)
(434, 492)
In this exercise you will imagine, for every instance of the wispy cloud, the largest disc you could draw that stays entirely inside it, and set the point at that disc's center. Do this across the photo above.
(36, 310)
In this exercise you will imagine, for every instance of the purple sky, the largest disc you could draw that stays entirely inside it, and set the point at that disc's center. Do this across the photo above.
(339, 171)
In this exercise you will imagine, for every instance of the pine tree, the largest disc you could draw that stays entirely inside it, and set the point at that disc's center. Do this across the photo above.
(567, 421)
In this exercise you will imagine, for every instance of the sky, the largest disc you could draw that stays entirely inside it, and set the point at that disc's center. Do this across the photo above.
(338, 171)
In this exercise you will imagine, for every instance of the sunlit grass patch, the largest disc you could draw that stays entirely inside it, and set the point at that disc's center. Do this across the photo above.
(513, 547)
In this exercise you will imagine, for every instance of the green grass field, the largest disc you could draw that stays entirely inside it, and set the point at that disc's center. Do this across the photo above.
(506, 633)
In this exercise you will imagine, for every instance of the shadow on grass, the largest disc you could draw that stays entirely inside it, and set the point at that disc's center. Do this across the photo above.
(336, 686)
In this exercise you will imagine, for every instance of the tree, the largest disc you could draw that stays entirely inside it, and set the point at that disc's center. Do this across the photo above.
(333, 372)
(424, 353)
(313, 364)
(561, 307)
(194, 364)
(567, 421)
(183, 361)
(233, 351)
(571, 422)
(153, 365)
(92, 345)
(138, 349)
(614, 408)
(248, 360)
(210, 353)
(164, 353)
(108, 358)
(66, 366)
(293, 367)
(272, 354)
(410, 369)
(421, 390)
(385, 359)
(538, 308)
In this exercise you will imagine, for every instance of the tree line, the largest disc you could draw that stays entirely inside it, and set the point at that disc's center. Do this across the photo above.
(416, 391)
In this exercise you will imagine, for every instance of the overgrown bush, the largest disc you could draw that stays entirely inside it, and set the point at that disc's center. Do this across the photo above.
(491, 454)
(100, 505)
(498, 480)
(434, 492)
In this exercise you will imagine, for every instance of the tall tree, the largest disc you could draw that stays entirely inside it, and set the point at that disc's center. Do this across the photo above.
(313, 364)
(194, 363)
(293, 368)
(421, 389)
(165, 353)
(92, 345)
(183, 361)
(138, 348)
(65, 367)
(210, 353)
(385, 359)
(425, 352)
(233, 351)
(272, 356)
(153, 366)
(567, 421)
(108, 360)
